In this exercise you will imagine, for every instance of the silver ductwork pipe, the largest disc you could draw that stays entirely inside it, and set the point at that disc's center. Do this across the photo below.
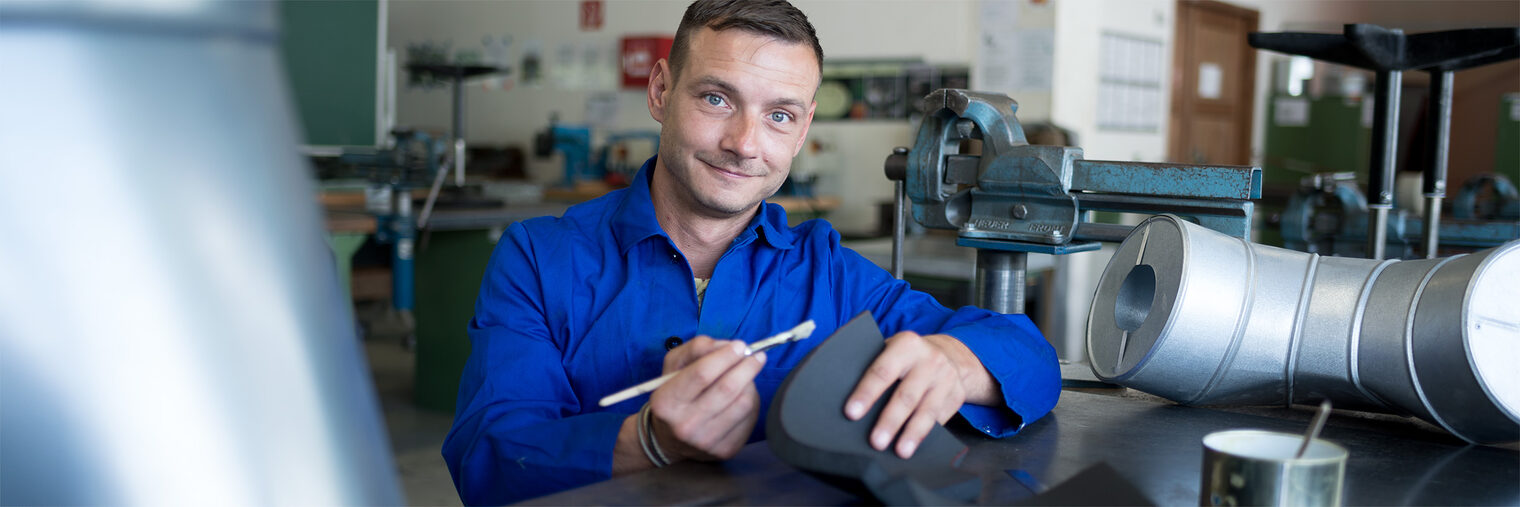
(1202, 318)
(172, 331)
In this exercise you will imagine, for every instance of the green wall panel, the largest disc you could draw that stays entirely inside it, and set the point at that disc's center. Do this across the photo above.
(1333, 141)
(1507, 149)
(330, 52)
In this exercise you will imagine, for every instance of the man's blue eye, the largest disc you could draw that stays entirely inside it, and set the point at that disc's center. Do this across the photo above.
(780, 117)
(715, 100)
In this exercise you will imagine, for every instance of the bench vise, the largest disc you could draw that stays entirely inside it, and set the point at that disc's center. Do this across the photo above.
(972, 170)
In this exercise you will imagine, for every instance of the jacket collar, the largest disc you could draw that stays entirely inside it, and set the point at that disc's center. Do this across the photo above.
(634, 219)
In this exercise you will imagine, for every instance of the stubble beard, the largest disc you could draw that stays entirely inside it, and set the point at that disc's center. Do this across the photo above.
(709, 205)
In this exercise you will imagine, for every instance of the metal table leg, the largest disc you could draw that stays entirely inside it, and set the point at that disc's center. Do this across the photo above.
(1435, 170)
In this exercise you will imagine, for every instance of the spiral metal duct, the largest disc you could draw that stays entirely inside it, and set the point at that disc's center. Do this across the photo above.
(172, 331)
(1199, 317)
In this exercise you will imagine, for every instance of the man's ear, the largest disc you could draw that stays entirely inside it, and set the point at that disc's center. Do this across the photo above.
(660, 83)
(806, 124)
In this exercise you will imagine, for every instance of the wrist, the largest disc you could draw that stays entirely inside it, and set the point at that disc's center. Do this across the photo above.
(627, 456)
(980, 387)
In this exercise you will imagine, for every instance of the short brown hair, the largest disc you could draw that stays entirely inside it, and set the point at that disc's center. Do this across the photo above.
(774, 18)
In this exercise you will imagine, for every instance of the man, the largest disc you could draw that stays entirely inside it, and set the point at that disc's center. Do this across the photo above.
(636, 283)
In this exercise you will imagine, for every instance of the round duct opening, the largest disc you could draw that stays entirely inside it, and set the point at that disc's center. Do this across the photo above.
(1133, 302)
(1493, 328)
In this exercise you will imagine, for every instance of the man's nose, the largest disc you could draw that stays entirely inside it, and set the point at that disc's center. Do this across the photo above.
(741, 136)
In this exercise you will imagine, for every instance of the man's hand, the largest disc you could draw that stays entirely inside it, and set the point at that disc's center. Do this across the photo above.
(706, 412)
(937, 375)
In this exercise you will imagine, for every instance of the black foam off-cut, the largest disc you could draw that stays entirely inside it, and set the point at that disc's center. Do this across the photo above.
(807, 428)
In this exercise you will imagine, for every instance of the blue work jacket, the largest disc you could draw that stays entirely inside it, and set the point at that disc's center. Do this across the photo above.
(574, 308)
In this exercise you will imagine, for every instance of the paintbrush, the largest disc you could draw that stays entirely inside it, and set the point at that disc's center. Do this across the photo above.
(802, 331)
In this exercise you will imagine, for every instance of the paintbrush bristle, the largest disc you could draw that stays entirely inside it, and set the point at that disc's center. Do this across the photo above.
(803, 330)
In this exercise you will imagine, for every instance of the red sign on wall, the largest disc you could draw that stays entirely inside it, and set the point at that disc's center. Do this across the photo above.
(638, 56)
(591, 15)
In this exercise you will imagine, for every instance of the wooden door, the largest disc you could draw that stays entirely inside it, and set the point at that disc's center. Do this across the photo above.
(1213, 82)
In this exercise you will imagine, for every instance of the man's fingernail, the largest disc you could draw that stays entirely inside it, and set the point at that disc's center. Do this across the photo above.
(905, 448)
(740, 349)
(854, 410)
(880, 439)
(760, 356)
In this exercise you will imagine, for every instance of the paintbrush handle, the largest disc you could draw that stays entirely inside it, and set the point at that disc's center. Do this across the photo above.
(620, 396)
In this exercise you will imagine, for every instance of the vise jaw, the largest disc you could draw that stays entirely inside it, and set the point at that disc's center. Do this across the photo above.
(1011, 190)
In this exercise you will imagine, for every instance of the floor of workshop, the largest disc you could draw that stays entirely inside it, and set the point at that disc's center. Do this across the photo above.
(416, 434)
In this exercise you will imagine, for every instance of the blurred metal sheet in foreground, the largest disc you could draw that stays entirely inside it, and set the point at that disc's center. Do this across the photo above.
(171, 327)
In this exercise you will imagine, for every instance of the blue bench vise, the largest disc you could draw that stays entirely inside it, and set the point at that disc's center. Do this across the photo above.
(1009, 198)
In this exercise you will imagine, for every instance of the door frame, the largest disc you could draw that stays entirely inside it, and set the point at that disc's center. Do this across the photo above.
(1186, 73)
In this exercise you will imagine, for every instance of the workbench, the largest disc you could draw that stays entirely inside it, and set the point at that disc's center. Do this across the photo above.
(1154, 444)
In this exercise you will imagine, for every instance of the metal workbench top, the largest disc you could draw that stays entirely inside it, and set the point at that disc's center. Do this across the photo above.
(1156, 445)
(465, 219)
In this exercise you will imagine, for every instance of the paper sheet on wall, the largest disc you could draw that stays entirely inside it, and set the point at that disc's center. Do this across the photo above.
(1210, 80)
(1290, 111)
(602, 109)
(1011, 58)
(1129, 89)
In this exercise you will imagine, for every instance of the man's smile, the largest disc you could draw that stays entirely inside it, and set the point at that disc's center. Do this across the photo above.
(735, 173)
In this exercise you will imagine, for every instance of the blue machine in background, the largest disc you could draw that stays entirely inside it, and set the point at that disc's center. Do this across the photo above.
(612, 163)
(572, 141)
(1502, 204)
(416, 161)
(1329, 216)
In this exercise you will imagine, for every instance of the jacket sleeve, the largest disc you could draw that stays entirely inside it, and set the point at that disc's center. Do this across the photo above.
(518, 432)
(1011, 348)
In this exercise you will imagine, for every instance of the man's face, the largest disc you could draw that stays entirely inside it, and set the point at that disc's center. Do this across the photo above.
(733, 121)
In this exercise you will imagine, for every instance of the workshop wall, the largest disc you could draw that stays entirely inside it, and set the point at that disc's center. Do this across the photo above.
(508, 112)
(1080, 25)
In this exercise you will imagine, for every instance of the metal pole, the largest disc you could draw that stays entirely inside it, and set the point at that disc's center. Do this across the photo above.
(896, 169)
(403, 253)
(1000, 280)
(1385, 145)
(458, 127)
(1439, 146)
(899, 228)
